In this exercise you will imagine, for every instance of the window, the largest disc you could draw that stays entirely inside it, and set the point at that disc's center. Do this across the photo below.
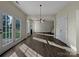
(17, 28)
(7, 29)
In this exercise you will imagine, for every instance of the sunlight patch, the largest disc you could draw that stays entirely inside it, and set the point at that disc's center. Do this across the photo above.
(28, 51)
(14, 55)
(40, 40)
(52, 43)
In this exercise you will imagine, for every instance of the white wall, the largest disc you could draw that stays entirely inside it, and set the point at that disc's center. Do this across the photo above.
(11, 9)
(27, 26)
(43, 27)
(47, 26)
(76, 24)
(69, 12)
(61, 28)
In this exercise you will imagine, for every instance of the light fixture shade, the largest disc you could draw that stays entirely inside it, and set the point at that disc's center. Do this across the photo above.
(41, 19)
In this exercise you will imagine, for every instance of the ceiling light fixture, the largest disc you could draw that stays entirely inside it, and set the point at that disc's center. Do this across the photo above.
(41, 20)
(40, 13)
(17, 2)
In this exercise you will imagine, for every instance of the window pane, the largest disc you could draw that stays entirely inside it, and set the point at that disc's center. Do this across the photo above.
(10, 35)
(17, 34)
(7, 29)
(7, 35)
(3, 35)
(4, 23)
(17, 28)
(4, 29)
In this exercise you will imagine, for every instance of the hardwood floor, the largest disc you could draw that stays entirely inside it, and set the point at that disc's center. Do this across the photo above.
(50, 38)
(38, 48)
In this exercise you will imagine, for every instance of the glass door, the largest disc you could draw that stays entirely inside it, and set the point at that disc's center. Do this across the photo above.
(7, 29)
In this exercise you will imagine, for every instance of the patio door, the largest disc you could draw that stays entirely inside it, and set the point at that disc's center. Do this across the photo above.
(7, 21)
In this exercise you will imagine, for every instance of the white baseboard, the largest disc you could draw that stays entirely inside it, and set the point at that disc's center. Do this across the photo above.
(63, 41)
(73, 50)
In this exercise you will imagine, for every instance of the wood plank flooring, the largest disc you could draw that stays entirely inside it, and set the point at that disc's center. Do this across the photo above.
(31, 47)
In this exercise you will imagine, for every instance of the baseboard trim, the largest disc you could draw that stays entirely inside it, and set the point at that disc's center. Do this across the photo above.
(62, 41)
(46, 33)
(73, 50)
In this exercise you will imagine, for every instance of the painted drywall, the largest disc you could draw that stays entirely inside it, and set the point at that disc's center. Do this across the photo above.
(11, 9)
(47, 26)
(77, 25)
(68, 12)
(42, 27)
(61, 28)
(75, 7)
(28, 25)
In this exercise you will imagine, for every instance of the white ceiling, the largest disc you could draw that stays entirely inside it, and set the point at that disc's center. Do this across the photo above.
(32, 8)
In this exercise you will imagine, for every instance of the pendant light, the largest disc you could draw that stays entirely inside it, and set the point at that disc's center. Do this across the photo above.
(40, 14)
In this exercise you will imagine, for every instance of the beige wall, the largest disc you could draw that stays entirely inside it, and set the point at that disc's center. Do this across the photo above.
(11, 9)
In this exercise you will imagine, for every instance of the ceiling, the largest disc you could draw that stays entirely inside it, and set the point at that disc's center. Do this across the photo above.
(32, 8)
